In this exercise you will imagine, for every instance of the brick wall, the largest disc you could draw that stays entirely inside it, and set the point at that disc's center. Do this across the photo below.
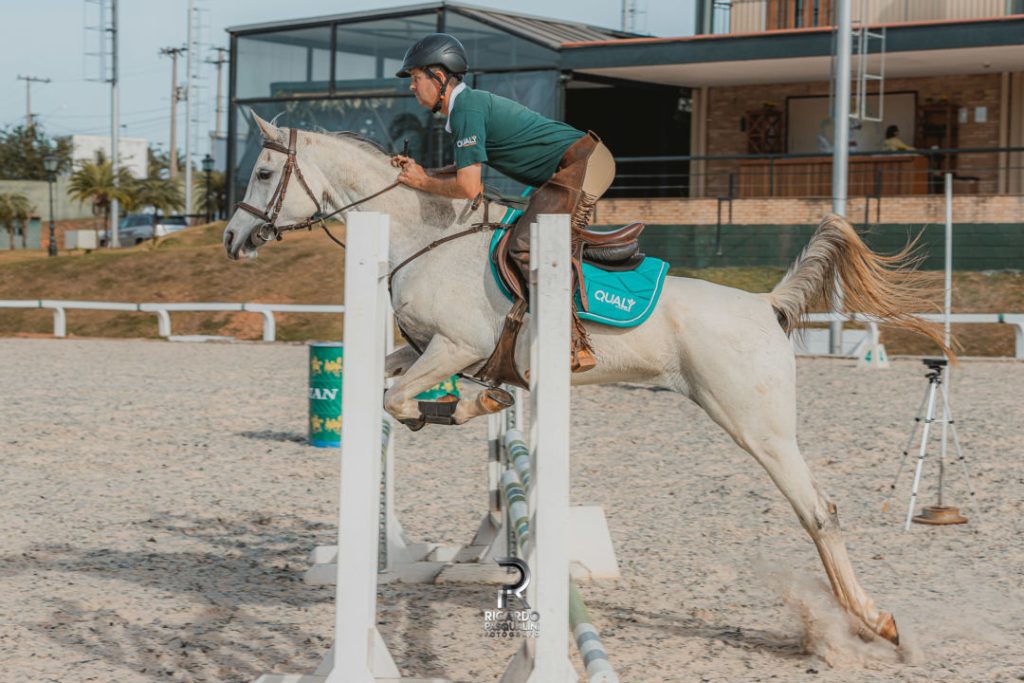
(727, 105)
(908, 209)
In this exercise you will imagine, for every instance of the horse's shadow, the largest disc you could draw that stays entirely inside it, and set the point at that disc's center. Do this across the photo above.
(270, 435)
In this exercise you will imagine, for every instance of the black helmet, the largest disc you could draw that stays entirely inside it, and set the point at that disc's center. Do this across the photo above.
(436, 49)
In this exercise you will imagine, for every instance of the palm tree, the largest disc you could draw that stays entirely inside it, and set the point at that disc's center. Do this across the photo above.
(94, 182)
(218, 193)
(15, 211)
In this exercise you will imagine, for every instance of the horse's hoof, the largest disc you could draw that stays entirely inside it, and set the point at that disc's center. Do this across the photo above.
(414, 425)
(887, 628)
(493, 400)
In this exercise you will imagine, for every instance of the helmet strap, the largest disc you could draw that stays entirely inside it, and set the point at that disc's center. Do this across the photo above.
(444, 86)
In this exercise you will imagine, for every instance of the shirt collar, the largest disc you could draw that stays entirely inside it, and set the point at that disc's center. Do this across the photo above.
(451, 104)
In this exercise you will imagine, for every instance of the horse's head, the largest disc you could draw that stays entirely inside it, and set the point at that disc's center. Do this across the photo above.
(282, 191)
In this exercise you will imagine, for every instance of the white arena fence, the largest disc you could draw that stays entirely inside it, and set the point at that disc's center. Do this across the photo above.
(163, 312)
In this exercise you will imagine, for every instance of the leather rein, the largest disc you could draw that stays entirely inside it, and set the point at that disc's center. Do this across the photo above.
(269, 230)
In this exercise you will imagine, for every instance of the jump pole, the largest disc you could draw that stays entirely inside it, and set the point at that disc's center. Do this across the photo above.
(545, 659)
(358, 647)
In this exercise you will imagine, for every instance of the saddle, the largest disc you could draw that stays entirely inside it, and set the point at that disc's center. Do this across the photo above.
(615, 250)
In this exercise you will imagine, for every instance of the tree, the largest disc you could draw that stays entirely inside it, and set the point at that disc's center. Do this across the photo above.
(93, 182)
(23, 148)
(15, 211)
(158, 163)
(218, 193)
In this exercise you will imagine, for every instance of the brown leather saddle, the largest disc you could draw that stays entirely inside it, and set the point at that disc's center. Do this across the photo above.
(617, 250)
(613, 250)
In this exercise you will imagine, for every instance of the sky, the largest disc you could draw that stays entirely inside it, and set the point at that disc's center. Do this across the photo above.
(48, 39)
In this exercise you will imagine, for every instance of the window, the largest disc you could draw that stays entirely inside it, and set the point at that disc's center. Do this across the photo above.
(491, 48)
(369, 53)
(284, 63)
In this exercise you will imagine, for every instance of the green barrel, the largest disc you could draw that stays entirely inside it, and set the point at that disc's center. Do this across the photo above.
(326, 365)
(449, 387)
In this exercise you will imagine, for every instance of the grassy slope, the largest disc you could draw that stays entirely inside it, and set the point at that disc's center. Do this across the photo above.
(307, 268)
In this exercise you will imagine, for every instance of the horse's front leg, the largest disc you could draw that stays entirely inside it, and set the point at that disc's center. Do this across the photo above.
(400, 360)
(440, 360)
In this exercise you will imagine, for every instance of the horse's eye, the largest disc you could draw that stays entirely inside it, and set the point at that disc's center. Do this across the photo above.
(264, 174)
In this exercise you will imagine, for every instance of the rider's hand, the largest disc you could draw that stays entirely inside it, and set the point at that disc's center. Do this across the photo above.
(412, 173)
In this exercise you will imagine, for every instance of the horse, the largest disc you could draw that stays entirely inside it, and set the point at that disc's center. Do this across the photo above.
(725, 349)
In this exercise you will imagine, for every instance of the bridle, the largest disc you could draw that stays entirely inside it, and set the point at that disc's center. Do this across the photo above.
(269, 229)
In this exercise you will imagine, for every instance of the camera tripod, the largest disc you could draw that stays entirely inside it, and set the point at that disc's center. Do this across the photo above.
(938, 514)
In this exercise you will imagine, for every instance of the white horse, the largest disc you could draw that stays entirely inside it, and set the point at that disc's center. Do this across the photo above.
(725, 349)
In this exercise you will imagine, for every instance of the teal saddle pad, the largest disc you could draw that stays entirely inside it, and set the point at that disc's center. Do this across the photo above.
(618, 299)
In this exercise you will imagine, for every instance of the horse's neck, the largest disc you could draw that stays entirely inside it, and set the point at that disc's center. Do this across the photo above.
(354, 172)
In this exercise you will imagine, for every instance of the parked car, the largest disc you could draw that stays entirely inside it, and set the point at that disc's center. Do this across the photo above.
(139, 227)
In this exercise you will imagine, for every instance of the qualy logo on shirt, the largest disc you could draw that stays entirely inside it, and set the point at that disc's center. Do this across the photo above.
(467, 142)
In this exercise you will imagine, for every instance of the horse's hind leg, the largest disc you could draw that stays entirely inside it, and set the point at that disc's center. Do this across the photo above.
(819, 517)
(757, 407)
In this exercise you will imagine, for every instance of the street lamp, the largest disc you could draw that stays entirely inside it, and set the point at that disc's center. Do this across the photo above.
(207, 169)
(50, 163)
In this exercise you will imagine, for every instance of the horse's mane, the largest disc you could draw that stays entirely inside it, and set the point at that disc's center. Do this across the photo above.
(357, 137)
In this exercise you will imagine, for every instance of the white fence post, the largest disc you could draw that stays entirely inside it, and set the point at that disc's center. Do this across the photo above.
(60, 322)
(550, 320)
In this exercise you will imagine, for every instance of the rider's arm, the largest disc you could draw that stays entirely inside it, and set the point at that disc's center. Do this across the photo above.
(466, 184)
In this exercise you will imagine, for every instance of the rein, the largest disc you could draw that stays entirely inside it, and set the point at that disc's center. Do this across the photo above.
(269, 230)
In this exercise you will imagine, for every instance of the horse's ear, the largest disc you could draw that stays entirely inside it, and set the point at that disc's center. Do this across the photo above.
(267, 129)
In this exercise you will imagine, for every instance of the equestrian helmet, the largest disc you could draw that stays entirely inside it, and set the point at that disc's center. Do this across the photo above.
(436, 49)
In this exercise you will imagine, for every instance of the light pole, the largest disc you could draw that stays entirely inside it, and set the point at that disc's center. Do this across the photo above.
(207, 169)
(50, 163)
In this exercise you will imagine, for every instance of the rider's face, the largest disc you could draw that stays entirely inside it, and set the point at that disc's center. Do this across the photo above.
(424, 87)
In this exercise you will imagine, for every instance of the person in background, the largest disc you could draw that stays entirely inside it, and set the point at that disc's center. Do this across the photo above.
(892, 140)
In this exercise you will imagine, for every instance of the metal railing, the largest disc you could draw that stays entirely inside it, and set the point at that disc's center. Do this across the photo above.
(978, 170)
(163, 311)
(1015, 319)
(755, 16)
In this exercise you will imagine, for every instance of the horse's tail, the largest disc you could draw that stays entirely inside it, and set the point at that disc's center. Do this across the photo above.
(884, 287)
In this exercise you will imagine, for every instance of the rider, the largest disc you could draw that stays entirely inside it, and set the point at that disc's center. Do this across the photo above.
(570, 169)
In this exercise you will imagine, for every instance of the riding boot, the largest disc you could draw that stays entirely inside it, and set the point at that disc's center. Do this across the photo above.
(562, 194)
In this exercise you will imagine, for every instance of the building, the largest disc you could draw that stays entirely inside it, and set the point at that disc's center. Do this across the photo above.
(729, 127)
(133, 152)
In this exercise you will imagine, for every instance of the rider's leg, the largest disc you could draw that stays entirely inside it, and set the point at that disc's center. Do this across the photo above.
(585, 174)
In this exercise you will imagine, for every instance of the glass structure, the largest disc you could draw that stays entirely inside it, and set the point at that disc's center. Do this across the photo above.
(338, 73)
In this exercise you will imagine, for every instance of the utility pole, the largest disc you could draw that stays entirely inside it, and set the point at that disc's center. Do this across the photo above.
(29, 80)
(220, 61)
(115, 123)
(173, 52)
(188, 107)
(840, 143)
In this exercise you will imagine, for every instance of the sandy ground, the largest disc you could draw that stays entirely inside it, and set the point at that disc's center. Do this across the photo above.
(158, 503)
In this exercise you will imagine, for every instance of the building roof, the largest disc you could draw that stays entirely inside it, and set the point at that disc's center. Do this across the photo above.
(912, 49)
(550, 33)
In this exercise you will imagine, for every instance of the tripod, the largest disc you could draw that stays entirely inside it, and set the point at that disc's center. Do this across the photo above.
(937, 514)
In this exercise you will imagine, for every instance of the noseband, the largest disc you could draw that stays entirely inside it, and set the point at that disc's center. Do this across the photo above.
(269, 230)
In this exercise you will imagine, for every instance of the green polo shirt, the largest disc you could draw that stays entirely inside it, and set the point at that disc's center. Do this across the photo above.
(508, 137)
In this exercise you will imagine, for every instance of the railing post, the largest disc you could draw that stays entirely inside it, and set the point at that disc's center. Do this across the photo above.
(60, 322)
(163, 321)
(269, 326)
